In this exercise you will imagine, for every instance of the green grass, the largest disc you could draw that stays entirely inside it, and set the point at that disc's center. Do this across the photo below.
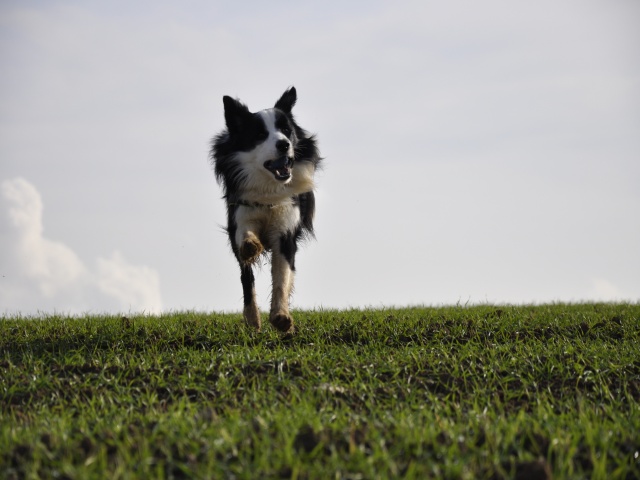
(457, 392)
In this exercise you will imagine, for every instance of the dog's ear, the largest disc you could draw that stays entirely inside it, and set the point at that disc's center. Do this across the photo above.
(234, 113)
(287, 100)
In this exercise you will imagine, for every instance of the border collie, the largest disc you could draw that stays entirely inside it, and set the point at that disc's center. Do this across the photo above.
(265, 163)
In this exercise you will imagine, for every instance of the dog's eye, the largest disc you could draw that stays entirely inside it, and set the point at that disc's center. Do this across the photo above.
(286, 131)
(262, 135)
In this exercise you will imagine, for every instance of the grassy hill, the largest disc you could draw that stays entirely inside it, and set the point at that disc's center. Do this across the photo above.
(550, 391)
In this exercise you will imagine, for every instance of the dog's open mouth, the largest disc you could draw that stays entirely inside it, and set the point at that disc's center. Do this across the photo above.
(280, 167)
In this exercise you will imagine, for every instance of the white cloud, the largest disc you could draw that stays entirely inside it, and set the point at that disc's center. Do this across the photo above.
(39, 273)
(131, 285)
(51, 266)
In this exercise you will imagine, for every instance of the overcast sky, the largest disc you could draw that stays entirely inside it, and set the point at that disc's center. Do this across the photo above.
(474, 151)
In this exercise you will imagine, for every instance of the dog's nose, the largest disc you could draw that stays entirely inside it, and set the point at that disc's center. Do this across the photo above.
(282, 145)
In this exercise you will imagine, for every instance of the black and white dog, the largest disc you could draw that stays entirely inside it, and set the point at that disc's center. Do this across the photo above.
(265, 164)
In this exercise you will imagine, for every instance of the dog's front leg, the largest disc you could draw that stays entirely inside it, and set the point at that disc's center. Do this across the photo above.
(246, 235)
(246, 238)
(282, 273)
(249, 248)
(251, 312)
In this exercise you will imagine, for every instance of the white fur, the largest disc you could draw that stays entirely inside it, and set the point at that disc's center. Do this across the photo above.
(269, 118)
(267, 223)
(260, 186)
(282, 278)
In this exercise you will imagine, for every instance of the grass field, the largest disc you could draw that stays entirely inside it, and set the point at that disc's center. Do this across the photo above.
(549, 391)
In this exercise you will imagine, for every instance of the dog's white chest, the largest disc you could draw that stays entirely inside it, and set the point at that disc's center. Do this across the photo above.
(268, 222)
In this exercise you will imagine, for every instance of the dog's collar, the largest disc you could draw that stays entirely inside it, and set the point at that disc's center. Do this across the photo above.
(291, 201)
(244, 203)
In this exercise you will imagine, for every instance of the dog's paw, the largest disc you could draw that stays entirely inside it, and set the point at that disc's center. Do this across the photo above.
(250, 249)
(282, 322)
(251, 316)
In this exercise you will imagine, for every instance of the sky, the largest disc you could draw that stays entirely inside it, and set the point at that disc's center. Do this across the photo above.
(475, 152)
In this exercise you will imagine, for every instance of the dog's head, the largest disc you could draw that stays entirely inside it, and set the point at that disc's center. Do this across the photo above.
(265, 140)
